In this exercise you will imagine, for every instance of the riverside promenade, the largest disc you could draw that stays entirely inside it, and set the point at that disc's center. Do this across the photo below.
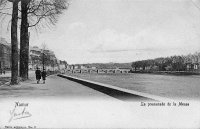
(70, 88)
(54, 87)
(61, 103)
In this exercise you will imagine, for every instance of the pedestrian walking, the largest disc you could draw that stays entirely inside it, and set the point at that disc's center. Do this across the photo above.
(38, 75)
(44, 75)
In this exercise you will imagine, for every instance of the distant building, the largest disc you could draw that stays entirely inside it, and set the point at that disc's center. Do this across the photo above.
(5, 54)
(147, 68)
(94, 67)
(75, 66)
(168, 68)
(83, 67)
(35, 51)
(125, 70)
(34, 57)
(38, 57)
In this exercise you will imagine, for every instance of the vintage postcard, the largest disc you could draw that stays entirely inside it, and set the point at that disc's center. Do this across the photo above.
(99, 64)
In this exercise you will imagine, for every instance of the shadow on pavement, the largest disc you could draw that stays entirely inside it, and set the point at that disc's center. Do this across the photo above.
(118, 94)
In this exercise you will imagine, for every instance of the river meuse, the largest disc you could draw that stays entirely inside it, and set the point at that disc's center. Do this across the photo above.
(170, 86)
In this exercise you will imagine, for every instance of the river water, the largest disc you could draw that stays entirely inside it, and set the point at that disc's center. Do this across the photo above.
(170, 86)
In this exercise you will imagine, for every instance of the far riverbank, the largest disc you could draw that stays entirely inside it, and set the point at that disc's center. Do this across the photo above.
(169, 72)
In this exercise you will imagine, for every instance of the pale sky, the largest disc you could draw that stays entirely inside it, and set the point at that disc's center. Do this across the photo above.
(123, 30)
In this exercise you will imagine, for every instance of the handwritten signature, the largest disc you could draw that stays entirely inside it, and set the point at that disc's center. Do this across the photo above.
(20, 111)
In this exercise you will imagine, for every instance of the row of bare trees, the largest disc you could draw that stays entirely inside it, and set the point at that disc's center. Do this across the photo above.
(33, 13)
(173, 63)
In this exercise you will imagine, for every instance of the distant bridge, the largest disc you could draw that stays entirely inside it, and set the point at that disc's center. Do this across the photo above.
(98, 70)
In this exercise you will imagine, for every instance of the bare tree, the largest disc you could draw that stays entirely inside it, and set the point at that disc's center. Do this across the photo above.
(14, 43)
(24, 40)
(38, 14)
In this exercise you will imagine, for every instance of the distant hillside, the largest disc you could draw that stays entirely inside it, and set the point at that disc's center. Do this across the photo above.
(108, 65)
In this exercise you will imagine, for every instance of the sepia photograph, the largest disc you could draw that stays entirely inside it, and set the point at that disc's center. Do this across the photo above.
(99, 64)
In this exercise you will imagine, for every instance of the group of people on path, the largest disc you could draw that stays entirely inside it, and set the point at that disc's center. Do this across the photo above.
(40, 74)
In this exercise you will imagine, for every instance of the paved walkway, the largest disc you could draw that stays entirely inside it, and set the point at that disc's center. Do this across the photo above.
(54, 87)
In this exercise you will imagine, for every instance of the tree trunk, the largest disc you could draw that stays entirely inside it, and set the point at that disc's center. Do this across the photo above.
(24, 41)
(14, 44)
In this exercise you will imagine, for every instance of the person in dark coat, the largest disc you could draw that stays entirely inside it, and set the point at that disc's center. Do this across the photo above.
(44, 74)
(38, 75)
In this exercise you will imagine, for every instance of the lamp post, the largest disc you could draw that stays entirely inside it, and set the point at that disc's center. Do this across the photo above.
(43, 60)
